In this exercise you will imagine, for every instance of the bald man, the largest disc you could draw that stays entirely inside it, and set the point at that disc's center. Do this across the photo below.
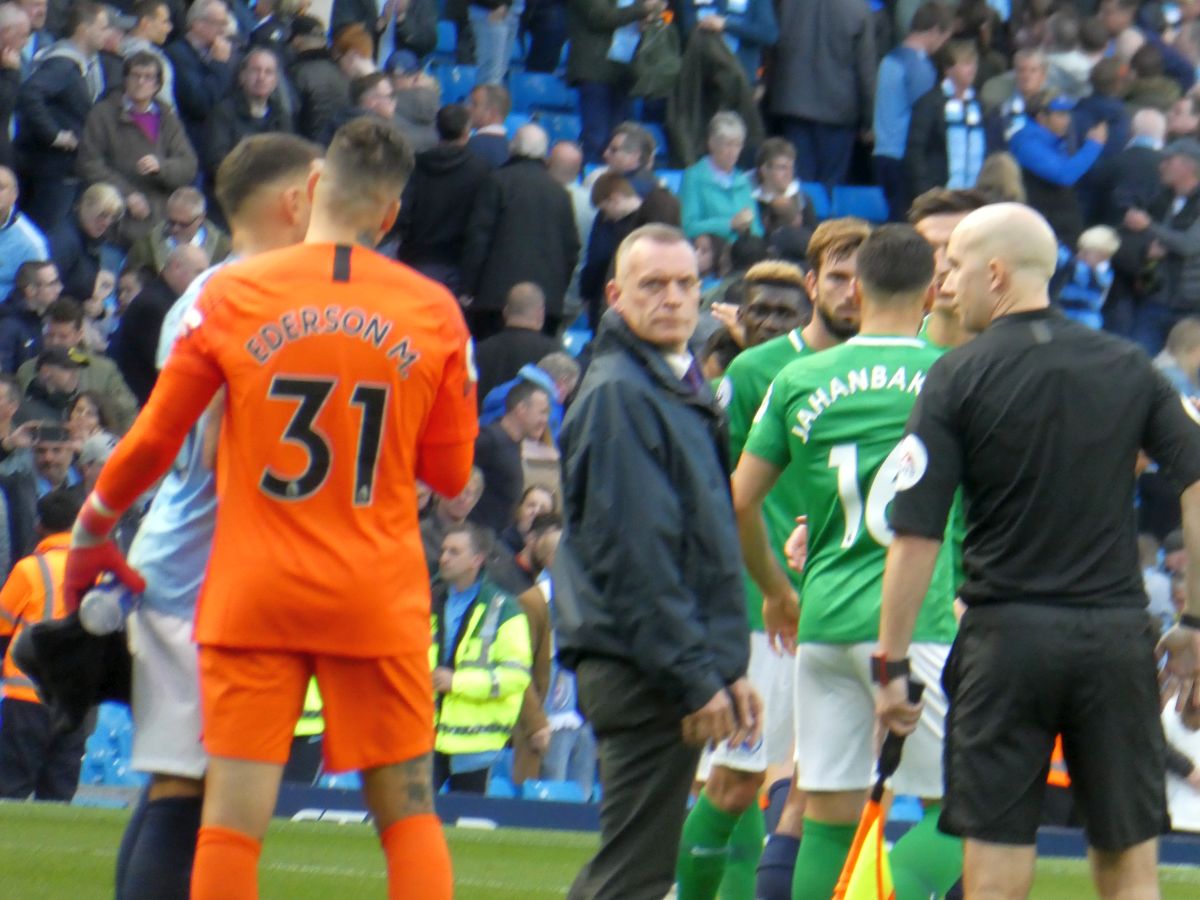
(520, 343)
(135, 345)
(1040, 420)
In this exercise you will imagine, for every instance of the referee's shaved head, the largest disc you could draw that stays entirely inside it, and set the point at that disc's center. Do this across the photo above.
(1014, 234)
(1002, 258)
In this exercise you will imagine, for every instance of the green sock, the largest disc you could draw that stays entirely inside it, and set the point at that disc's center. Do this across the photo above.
(926, 862)
(745, 847)
(822, 855)
(703, 849)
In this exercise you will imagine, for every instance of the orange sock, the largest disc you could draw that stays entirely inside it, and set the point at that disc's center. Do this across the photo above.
(226, 866)
(418, 859)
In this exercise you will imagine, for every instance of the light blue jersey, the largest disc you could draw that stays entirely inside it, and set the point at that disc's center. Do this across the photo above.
(173, 545)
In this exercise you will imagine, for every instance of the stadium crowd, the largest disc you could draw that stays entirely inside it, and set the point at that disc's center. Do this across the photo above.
(774, 133)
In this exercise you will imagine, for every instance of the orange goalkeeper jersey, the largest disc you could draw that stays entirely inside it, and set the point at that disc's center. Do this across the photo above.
(348, 376)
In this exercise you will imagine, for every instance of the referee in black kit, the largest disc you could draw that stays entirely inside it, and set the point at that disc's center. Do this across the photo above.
(1040, 420)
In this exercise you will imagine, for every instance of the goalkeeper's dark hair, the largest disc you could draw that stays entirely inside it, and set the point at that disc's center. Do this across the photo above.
(262, 160)
(58, 510)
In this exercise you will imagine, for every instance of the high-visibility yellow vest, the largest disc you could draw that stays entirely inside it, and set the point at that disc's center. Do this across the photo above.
(312, 720)
(491, 672)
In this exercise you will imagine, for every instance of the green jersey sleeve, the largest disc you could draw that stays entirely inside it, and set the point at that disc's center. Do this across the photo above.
(768, 438)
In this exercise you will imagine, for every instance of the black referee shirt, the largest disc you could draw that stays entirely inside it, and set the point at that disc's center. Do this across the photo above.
(1040, 419)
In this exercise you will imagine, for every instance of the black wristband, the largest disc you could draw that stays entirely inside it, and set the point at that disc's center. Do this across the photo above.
(1188, 621)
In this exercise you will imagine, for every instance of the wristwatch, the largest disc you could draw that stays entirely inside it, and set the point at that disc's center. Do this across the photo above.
(884, 670)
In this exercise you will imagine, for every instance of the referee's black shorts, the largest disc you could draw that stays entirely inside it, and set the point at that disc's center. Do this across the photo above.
(1021, 674)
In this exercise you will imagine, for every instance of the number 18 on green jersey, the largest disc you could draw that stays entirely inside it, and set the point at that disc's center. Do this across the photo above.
(833, 419)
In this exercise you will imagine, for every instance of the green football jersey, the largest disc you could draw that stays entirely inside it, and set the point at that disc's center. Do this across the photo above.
(833, 419)
(741, 392)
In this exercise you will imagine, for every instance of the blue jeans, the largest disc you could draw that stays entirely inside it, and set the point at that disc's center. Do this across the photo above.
(602, 107)
(572, 757)
(494, 41)
(822, 151)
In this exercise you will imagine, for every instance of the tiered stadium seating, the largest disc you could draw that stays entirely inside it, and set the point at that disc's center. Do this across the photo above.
(865, 202)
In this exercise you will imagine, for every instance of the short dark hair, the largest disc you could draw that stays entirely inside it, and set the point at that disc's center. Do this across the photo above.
(520, 392)
(1106, 76)
(64, 310)
(482, 539)
(259, 160)
(610, 183)
(80, 13)
(639, 139)
(58, 509)
(103, 411)
(142, 60)
(144, 9)
(364, 84)
(1093, 36)
(930, 16)
(895, 261)
(773, 148)
(747, 250)
(544, 522)
(369, 160)
(722, 346)
(944, 201)
(1147, 62)
(258, 50)
(27, 273)
(453, 121)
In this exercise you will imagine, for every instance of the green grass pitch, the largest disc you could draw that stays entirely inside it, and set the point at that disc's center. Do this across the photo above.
(52, 852)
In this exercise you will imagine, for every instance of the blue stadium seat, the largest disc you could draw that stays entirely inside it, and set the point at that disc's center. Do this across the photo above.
(514, 121)
(662, 152)
(818, 197)
(560, 791)
(560, 126)
(341, 781)
(671, 179)
(864, 202)
(447, 40)
(502, 767)
(536, 91)
(576, 337)
(456, 81)
(499, 786)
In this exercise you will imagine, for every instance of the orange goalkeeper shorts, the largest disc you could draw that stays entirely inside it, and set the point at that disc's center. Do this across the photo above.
(378, 711)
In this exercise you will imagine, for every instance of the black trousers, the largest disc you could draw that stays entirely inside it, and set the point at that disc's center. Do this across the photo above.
(36, 757)
(646, 771)
(475, 782)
